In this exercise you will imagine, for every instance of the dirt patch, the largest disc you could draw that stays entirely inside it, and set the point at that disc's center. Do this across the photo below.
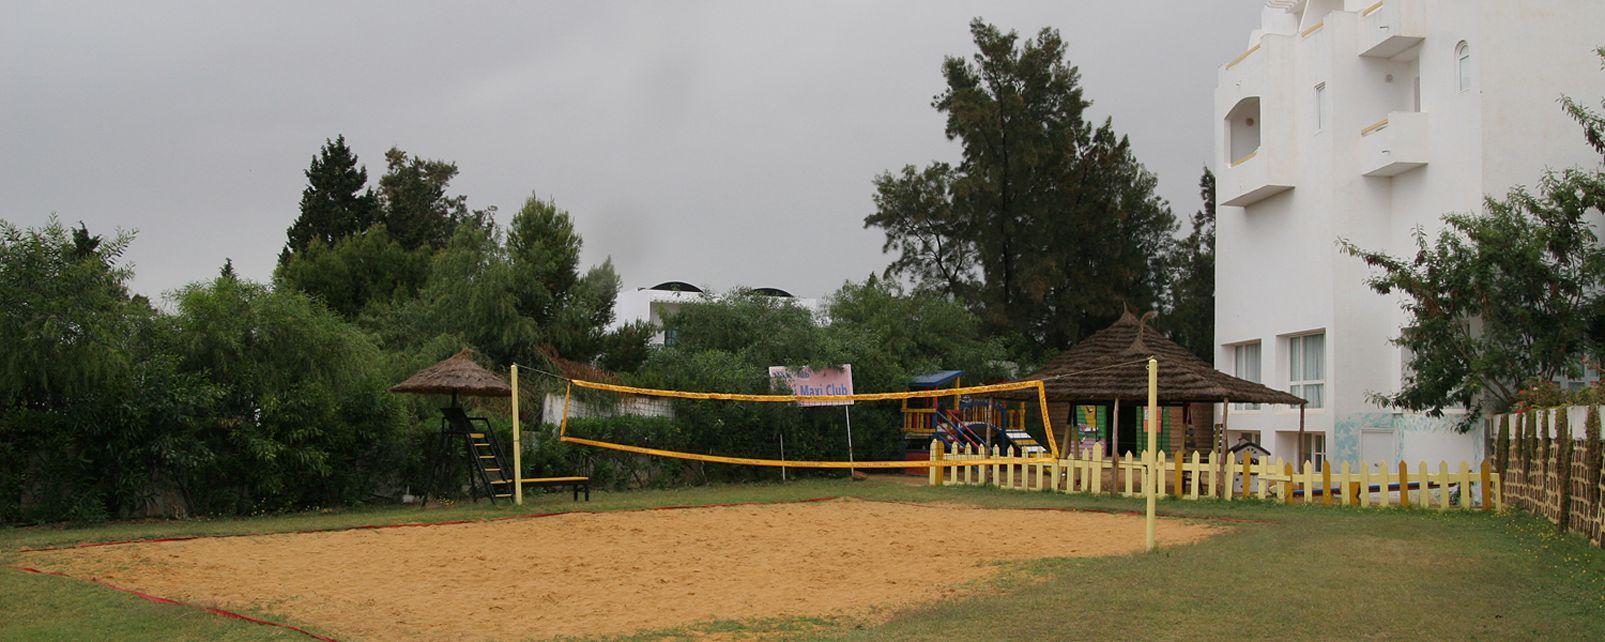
(609, 573)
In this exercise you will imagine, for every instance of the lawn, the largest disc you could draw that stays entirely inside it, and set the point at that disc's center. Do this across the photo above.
(1282, 572)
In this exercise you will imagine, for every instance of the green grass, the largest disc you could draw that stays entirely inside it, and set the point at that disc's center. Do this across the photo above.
(1283, 572)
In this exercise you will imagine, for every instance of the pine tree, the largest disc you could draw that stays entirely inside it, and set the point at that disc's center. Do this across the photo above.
(417, 208)
(335, 203)
(227, 272)
(1191, 317)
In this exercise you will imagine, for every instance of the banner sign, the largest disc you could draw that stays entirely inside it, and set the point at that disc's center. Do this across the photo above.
(812, 382)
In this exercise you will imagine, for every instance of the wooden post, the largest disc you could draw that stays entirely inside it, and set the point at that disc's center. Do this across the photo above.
(1326, 485)
(1177, 484)
(1225, 447)
(518, 450)
(1114, 446)
(1287, 485)
(1153, 444)
(936, 456)
(1404, 484)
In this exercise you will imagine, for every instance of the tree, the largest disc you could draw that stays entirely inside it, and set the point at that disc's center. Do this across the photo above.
(336, 202)
(417, 210)
(355, 271)
(1048, 224)
(508, 295)
(1191, 317)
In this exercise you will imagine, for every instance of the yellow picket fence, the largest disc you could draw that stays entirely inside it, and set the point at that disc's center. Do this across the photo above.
(1230, 477)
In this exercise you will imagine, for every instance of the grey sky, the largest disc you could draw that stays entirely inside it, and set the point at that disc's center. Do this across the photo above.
(720, 143)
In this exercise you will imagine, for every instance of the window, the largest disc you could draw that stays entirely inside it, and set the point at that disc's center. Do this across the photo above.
(1463, 65)
(1245, 365)
(1320, 107)
(1306, 367)
(1314, 450)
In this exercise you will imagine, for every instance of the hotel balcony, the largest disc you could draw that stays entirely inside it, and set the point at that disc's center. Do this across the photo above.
(1394, 145)
(1390, 27)
(1251, 101)
(1253, 177)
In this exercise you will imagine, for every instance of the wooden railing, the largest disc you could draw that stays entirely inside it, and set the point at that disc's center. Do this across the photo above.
(1229, 477)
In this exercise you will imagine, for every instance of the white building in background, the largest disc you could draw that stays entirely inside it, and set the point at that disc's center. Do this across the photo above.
(654, 303)
(1363, 120)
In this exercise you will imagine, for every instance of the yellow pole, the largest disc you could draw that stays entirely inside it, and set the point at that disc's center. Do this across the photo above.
(1153, 444)
(518, 451)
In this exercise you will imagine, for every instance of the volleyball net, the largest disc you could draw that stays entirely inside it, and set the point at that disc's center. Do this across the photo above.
(816, 430)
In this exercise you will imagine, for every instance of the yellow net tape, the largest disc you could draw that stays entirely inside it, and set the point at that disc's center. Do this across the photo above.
(874, 396)
(787, 463)
(1036, 385)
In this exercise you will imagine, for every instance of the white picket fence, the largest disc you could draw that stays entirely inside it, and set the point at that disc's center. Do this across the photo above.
(1230, 477)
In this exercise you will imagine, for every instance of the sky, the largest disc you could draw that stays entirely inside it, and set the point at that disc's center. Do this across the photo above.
(719, 143)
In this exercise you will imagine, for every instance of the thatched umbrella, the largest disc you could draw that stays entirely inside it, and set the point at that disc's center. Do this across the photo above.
(458, 374)
(1111, 365)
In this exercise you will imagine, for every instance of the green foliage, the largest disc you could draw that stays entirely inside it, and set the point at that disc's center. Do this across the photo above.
(1190, 313)
(336, 202)
(356, 270)
(1049, 224)
(1503, 296)
(414, 196)
(508, 297)
(727, 343)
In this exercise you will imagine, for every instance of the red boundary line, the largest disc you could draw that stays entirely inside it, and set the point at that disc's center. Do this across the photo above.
(169, 601)
(373, 527)
(256, 620)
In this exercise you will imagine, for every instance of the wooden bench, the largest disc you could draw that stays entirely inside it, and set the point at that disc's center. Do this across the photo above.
(575, 484)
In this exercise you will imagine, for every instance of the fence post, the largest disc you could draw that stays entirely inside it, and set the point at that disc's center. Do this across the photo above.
(1287, 486)
(1404, 484)
(1465, 485)
(936, 456)
(1443, 485)
(1326, 484)
(1421, 470)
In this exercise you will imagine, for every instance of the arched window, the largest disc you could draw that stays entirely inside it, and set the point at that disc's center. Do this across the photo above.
(1463, 66)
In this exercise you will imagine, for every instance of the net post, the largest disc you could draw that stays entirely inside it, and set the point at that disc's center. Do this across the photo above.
(1153, 446)
(1047, 423)
(562, 425)
(518, 450)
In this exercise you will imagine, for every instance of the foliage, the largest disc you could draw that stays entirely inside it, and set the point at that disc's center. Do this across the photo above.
(1190, 313)
(1049, 224)
(510, 296)
(417, 209)
(355, 270)
(336, 202)
(1502, 446)
(1499, 297)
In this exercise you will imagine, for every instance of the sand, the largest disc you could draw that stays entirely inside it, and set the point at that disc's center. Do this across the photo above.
(609, 573)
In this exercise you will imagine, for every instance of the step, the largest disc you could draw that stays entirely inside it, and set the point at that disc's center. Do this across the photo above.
(503, 495)
(491, 470)
(500, 481)
(487, 456)
(481, 443)
(476, 435)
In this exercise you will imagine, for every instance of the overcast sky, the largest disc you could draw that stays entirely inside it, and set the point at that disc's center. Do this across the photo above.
(721, 143)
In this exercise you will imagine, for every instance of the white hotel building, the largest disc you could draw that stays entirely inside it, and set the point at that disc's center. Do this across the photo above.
(1364, 120)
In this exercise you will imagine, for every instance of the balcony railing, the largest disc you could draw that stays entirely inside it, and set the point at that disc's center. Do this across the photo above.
(1394, 145)
(1390, 27)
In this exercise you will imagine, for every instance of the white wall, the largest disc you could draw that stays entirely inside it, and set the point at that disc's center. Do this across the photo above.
(1278, 268)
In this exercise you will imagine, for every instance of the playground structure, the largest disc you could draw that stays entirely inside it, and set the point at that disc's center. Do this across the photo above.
(951, 417)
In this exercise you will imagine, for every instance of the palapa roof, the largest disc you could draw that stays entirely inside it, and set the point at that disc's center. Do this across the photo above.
(1112, 364)
(457, 374)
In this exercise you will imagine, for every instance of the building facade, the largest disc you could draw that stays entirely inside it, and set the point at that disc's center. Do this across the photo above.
(655, 303)
(1365, 120)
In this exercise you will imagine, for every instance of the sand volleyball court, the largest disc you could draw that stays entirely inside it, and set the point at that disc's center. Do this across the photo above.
(607, 573)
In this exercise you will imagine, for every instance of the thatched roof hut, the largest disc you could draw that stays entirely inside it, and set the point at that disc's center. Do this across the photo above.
(1112, 364)
(458, 374)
